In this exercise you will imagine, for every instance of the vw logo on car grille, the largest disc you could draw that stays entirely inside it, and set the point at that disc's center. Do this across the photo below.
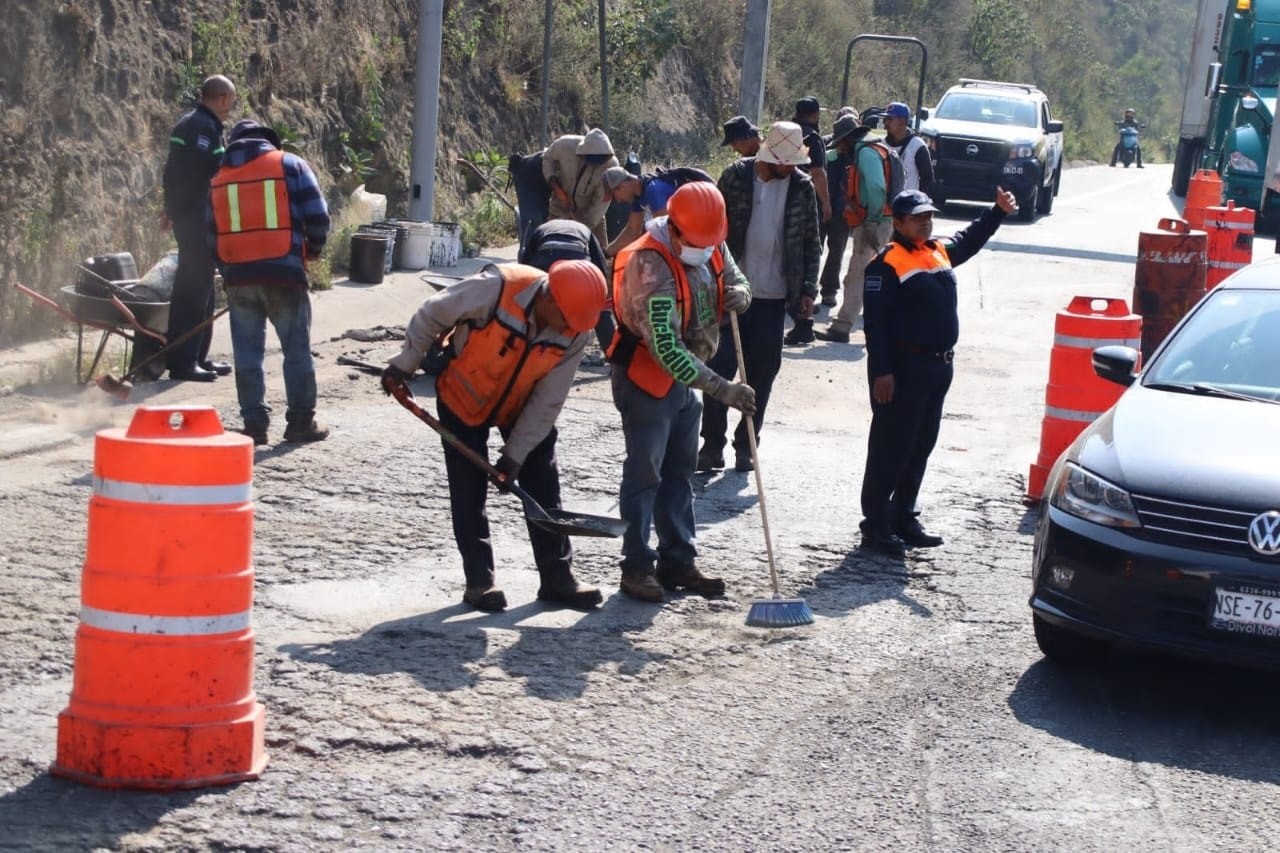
(971, 150)
(1264, 533)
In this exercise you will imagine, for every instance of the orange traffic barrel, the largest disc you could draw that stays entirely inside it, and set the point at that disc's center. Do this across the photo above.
(1204, 191)
(1230, 231)
(1169, 278)
(1075, 395)
(162, 694)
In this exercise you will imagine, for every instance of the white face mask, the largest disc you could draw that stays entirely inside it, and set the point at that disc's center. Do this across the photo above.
(694, 257)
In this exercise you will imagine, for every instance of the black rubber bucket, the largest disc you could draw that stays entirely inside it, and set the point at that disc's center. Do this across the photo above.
(382, 229)
(368, 258)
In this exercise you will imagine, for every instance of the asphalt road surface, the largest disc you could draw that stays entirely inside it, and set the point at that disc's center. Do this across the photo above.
(916, 713)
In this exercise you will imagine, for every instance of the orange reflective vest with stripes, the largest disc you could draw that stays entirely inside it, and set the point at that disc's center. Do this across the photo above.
(489, 382)
(251, 210)
(628, 348)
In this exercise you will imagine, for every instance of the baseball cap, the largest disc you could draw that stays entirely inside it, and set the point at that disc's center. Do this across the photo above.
(898, 110)
(739, 127)
(613, 178)
(909, 202)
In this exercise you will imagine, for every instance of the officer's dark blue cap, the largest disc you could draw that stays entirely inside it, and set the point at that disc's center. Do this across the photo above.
(909, 202)
(739, 127)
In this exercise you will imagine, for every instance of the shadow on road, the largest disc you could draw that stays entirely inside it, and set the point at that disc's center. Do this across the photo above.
(1159, 710)
(53, 814)
(860, 579)
(444, 651)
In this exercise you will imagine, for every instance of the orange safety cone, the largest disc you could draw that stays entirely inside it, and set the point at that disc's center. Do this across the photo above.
(1168, 279)
(1075, 395)
(162, 695)
(1230, 231)
(1204, 191)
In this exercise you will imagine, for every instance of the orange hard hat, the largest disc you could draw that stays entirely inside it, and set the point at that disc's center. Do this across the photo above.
(579, 291)
(697, 209)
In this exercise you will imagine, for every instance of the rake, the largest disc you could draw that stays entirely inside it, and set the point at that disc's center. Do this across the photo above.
(776, 612)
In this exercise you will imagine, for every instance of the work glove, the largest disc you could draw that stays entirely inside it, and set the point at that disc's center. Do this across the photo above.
(508, 469)
(737, 299)
(392, 378)
(737, 395)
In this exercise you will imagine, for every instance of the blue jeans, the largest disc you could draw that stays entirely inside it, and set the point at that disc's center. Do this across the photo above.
(288, 308)
(662, 449)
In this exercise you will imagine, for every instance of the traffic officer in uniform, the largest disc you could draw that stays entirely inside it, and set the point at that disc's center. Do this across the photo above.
(911, 325)
(516, 335)
(195, 153)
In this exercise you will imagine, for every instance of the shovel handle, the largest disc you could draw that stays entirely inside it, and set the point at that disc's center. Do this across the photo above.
(164, 350)
(405, 398)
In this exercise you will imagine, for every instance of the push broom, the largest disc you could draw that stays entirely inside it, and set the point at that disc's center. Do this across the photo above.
(776, 612)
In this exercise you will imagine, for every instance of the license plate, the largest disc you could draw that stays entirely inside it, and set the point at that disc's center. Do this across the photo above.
(1246, 609)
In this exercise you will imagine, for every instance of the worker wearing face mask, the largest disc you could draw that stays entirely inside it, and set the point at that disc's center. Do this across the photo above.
(671, 290)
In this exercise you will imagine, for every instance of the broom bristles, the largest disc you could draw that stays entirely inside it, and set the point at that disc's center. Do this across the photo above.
(779, 613)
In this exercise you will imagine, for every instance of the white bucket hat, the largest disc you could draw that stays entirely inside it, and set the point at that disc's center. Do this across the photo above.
(784, 145)
(595, 142)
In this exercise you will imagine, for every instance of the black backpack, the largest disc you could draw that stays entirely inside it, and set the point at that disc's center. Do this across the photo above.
(681, 175)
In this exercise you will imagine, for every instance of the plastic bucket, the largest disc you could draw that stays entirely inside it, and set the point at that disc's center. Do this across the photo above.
(388, 232)
(368, 258)
(446, 245)
(417, 245)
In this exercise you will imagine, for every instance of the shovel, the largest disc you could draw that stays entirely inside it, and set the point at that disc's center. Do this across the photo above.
(120, 388)
(553, 520)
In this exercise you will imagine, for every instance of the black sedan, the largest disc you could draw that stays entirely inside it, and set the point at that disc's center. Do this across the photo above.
(1161, 522)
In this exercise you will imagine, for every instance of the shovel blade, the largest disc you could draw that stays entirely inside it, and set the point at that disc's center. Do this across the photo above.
(580, 524)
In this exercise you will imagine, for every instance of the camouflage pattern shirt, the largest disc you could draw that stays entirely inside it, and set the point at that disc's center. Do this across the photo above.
(650, 309)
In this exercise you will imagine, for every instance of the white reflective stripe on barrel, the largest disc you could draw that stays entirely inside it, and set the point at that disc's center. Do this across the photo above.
(1229, 265)
(154, 493)
(1224, 225)
(1070, 414)
(173, 626)
(1093, 343)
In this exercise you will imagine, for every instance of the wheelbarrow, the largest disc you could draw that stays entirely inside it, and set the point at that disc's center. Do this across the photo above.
(111, 316)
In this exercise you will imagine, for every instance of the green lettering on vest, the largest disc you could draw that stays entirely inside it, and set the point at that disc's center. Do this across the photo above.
(675, 358)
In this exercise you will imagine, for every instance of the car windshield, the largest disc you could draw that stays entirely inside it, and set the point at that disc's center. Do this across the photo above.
(988, 109)
(1231, 344)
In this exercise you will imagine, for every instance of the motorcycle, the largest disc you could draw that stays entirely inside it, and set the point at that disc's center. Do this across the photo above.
(1127, 149)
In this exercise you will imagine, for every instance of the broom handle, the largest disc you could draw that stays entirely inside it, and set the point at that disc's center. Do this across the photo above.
(755, 456)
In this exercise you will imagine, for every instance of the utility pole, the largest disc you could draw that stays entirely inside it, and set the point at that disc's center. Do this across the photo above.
(426, 110)
(755, 56)
(604, 72)
(546, 73)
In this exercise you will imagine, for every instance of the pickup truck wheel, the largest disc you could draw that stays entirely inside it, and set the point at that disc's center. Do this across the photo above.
(1057, 180)
(1027, 206)
(1044, 204)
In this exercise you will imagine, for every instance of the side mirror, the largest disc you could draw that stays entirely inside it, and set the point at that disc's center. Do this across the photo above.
(922, 114)
(1054, 127)
(1115, 363)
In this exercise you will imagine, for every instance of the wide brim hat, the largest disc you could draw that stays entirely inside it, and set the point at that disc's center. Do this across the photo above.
(848, 126)
(784, 145)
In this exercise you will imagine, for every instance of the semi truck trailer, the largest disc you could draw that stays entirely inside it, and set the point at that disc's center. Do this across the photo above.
(1229, 103)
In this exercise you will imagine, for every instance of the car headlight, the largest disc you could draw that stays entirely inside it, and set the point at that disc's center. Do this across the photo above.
(1237, 162)
(1022, 151)
(1092, 498)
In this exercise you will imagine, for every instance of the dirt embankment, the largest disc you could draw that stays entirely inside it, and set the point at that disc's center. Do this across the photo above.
(90, 88)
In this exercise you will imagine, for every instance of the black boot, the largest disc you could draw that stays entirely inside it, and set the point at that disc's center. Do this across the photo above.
(801, 334)
(570, 592)
(688, 577)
